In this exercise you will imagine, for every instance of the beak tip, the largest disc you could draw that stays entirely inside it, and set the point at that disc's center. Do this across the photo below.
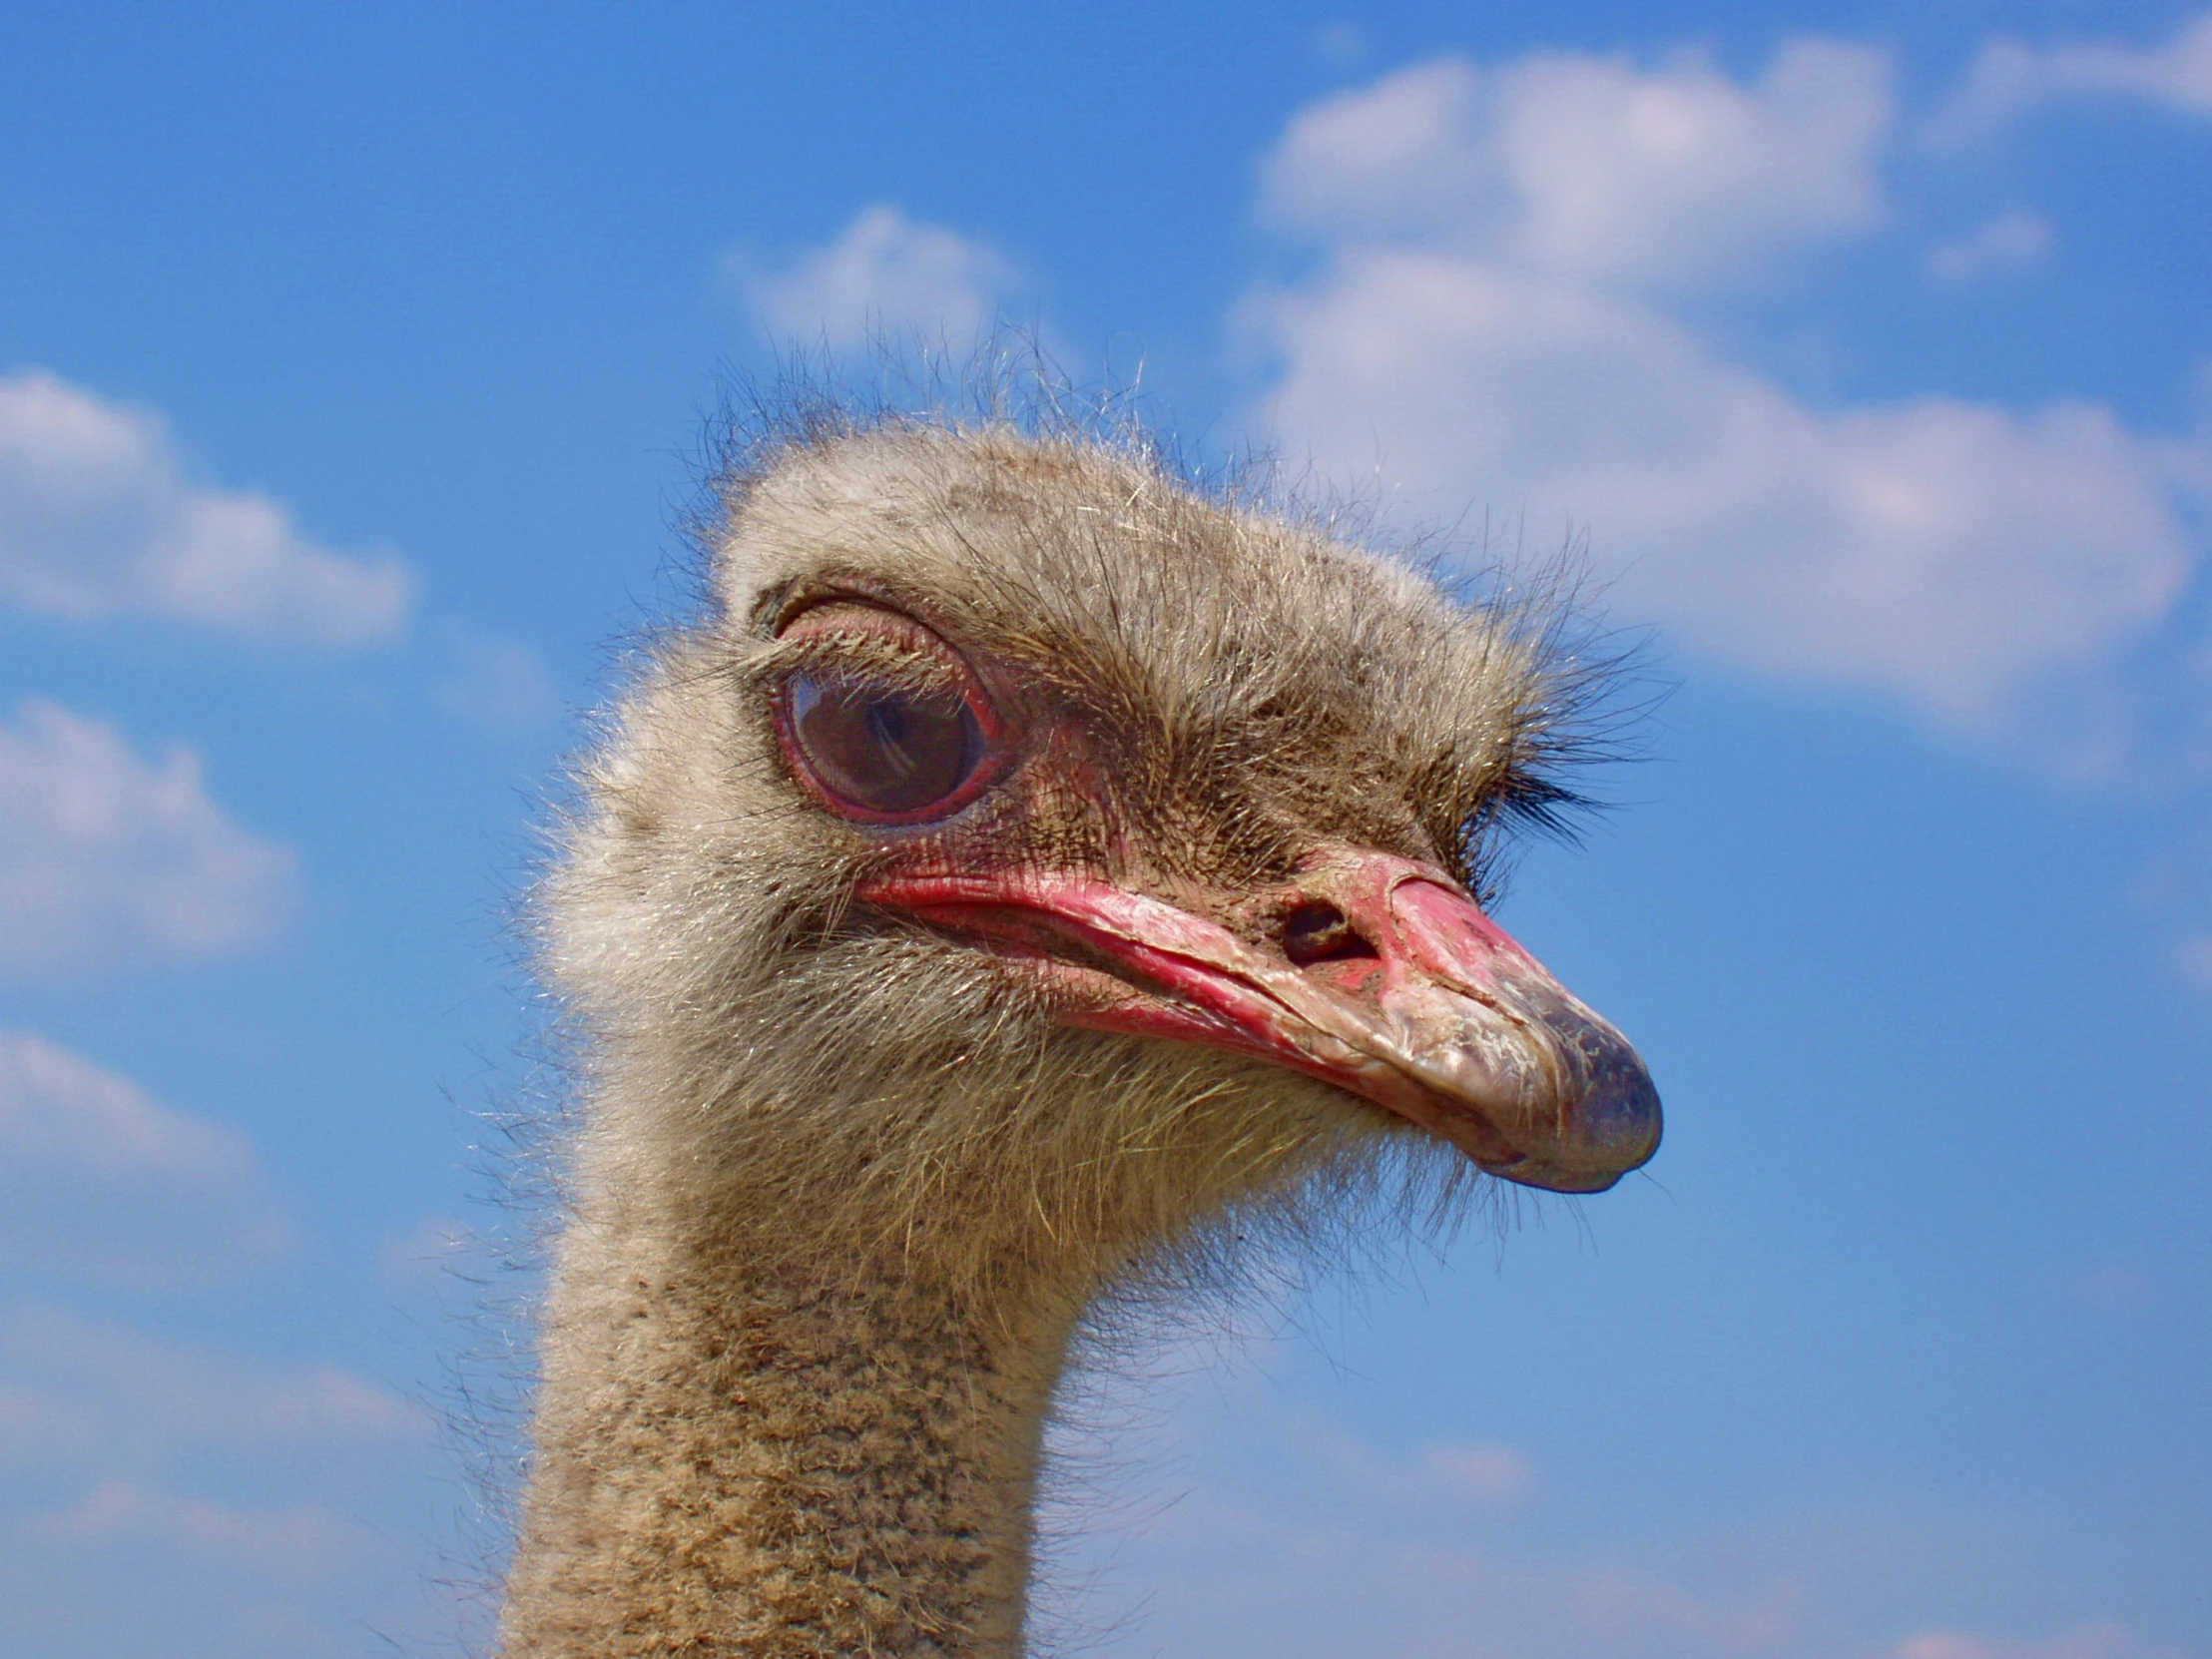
(1622, 1112)
(1610, 1127)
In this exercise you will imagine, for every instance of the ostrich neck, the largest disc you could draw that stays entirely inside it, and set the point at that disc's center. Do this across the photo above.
(737, 1457)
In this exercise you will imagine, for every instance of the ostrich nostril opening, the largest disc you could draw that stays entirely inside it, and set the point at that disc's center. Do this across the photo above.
(1321, 933)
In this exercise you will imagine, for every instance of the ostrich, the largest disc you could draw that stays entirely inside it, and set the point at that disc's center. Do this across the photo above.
(1031, 874)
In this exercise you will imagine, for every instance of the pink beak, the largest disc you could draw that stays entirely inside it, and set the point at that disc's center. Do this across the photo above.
(1370, 971)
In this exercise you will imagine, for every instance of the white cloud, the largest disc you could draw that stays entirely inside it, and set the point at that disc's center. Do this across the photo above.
(97, 519)
(1590, 167)
(2011, 77)
(1483, 332)
(2004, 246)
(101, 1181)
(884, 276)
(107, 861)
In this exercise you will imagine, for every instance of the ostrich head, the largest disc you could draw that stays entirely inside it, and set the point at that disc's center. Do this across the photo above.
(1027, 874)
(1030, 860)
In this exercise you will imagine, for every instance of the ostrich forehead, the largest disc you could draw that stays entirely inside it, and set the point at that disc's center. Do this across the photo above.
(1131, 592)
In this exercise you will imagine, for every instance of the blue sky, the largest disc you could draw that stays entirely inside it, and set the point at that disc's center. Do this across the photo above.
(352, 366)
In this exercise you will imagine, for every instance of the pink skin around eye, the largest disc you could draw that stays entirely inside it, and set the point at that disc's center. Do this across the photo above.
(846, 618)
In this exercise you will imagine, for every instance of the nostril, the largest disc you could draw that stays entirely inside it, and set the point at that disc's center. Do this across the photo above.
(1322, 933)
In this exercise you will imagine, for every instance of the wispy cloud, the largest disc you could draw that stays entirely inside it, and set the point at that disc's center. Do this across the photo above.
(884, 276)
(1498, 319)
(501, 685)
(99, 1181)
(1306, 1583)
(1308, 1541)
(2102, 1641)
(437, 1247)
(101, 1401)
(110, 861)
(160, 1497)
(1302, 1541)
(97, 519)
(2009, 78)
(287, 1541)
(2004, 245)
(1488, 1473)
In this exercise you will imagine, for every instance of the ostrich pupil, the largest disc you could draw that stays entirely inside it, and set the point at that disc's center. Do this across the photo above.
(884, 749)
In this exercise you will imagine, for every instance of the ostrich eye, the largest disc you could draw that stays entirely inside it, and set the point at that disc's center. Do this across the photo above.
(886, 749)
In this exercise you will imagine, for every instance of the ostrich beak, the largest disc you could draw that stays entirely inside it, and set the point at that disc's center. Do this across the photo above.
(1370, 971)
